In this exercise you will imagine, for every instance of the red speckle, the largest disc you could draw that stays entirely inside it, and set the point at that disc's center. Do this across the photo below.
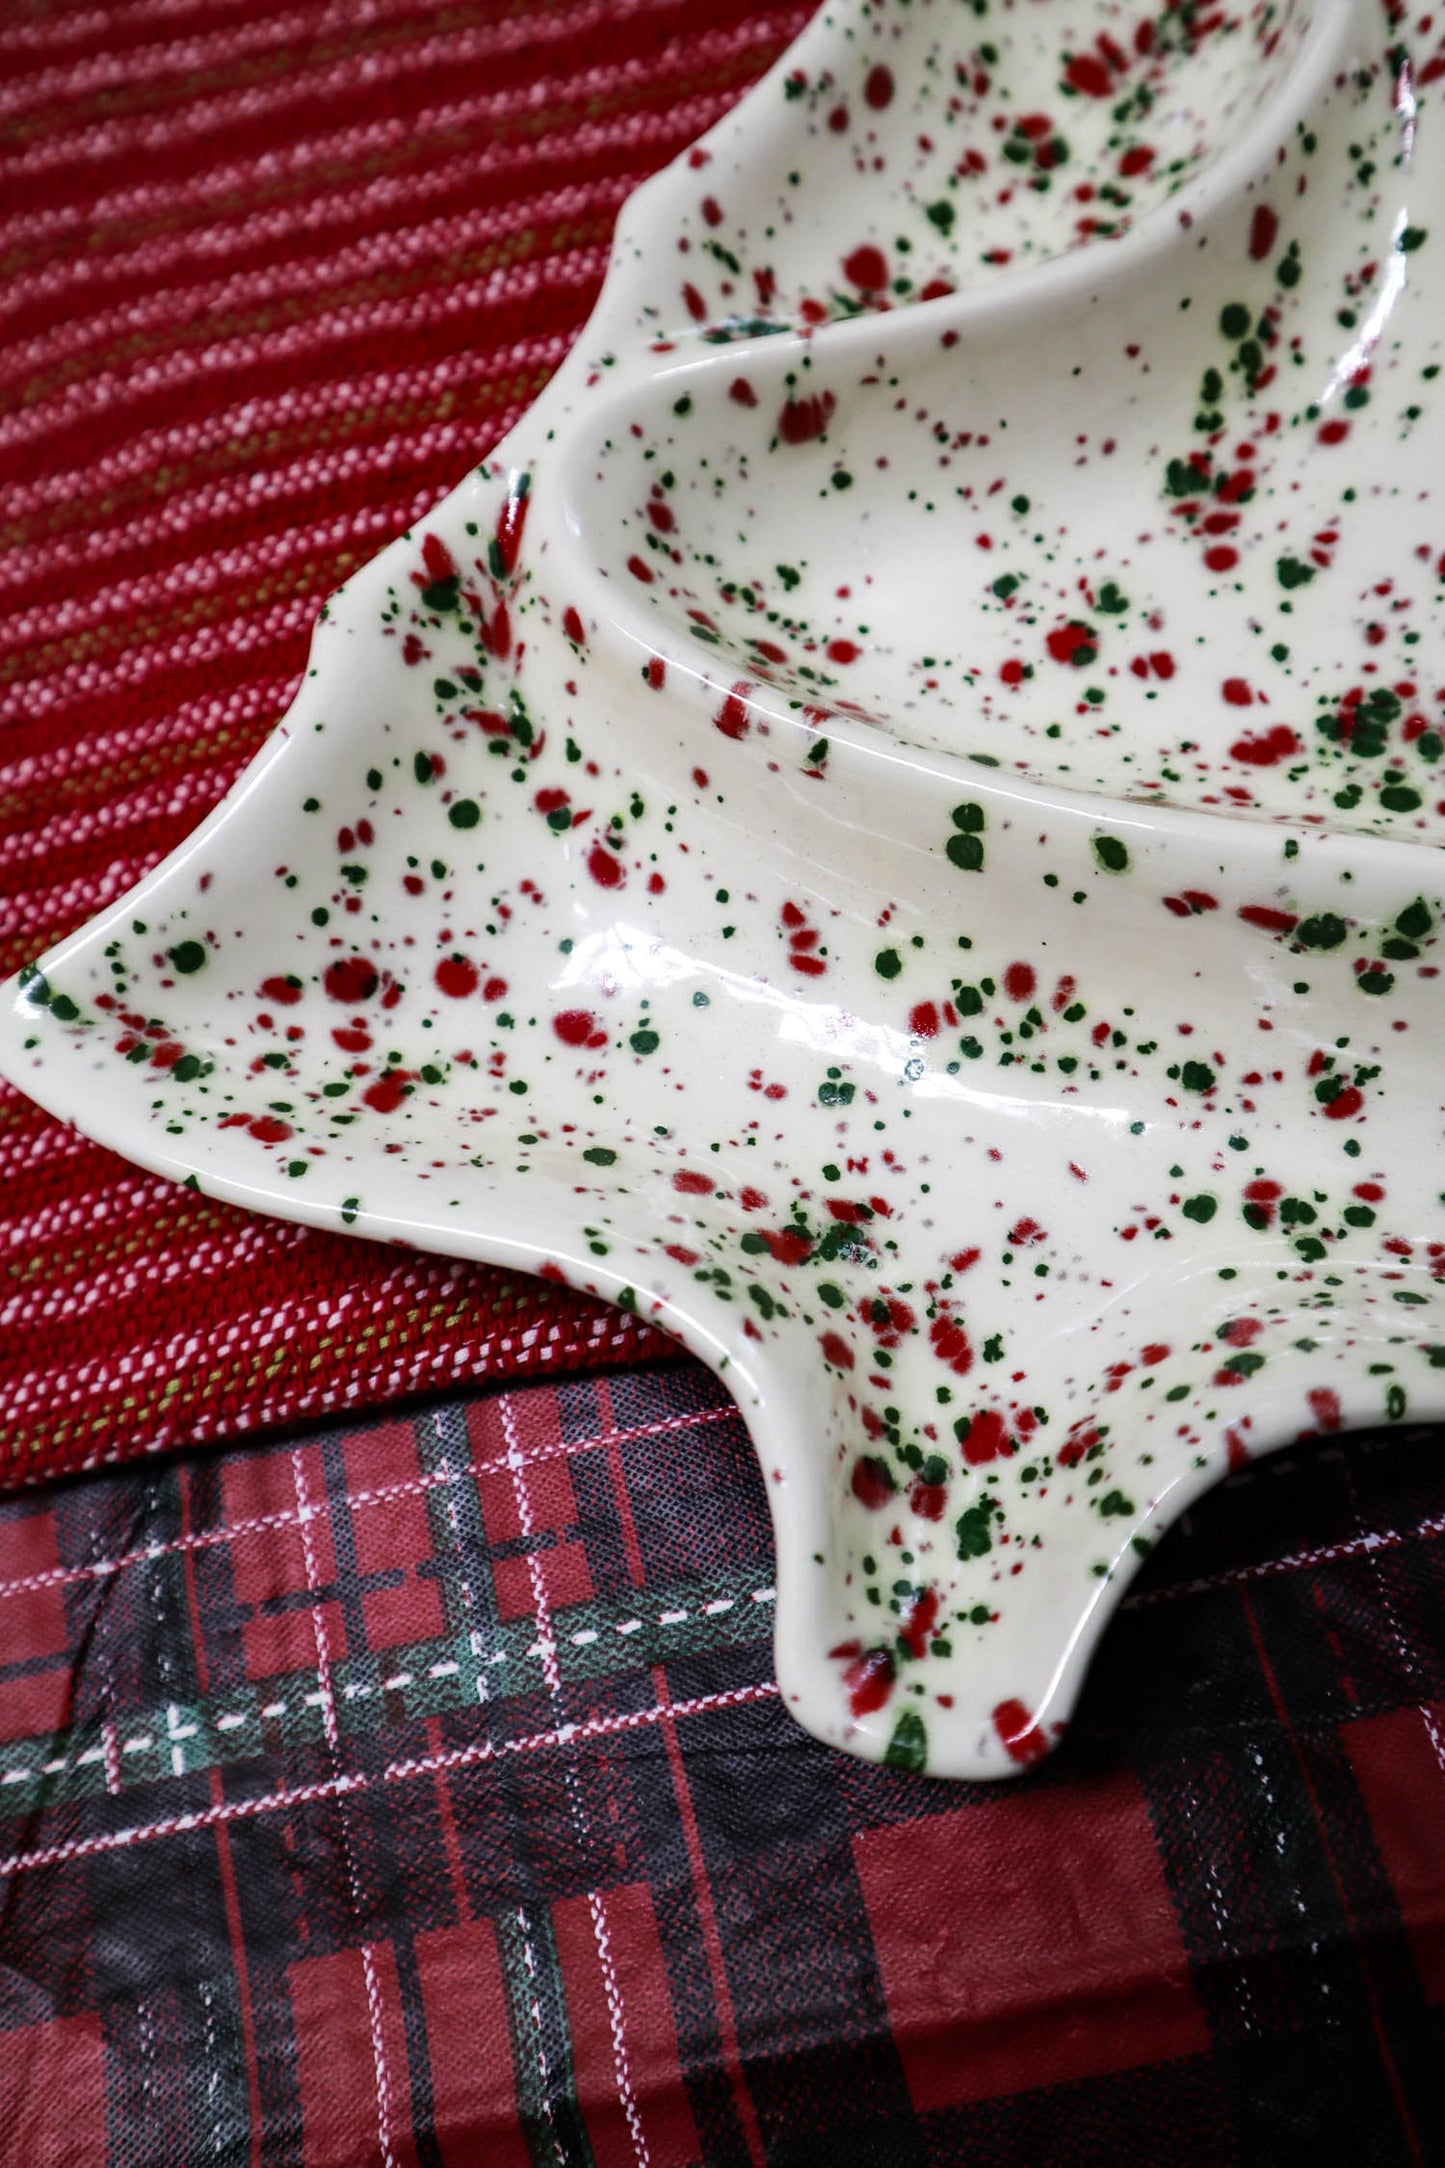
(578, 1027)
(878, 87)
(661, 516)
(284, 992)
(788, 1247)
(1137, 160)
(1325, 1407)
(1072, 643)
(510, 521)
(871, 1484)
(497, 636)
(1086, 74)
(951, 1345)
(1267, 918)
(732, 718)
(1222, 558)
(1024, 1232)
(656, 672)
(1276, 745)
(867, 268)
(1263, 232)
(269, 1129)
(741, 392)
(693, 1184)
(920, 1622)
(387, 1093)
(1344, 1104)
(572, 626)
(605, 867)
(923, 1020)
(351, 979)
(457, 976)
(438, 559)
(843, 651)
(640, 571)
(987, 1439)
(836, 1350)
(1019, 982)
(869, 1682)
(1333, 432)
(927, 1499)
(1238, 692)
(1022, 1740)
(803, 419)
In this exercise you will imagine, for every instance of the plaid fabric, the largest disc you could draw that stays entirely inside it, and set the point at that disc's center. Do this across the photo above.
(418, 1791)
(276, 272)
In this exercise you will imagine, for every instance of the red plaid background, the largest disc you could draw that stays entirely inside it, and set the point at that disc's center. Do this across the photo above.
(419, 1792)
(275, 274)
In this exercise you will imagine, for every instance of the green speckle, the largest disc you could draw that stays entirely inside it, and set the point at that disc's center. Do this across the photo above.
(1112, 854)
(972, 1531)
(908, 1748)
(1200, 1209)
(187, 956)
(888, 963)
(465, 813)
(600, 1155)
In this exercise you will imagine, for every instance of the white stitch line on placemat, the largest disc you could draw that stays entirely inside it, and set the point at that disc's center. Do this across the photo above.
(377, 1495)
(614, 2014)
(404, 1772)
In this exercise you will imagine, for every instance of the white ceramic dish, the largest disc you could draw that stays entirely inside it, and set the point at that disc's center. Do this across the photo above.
(892, 825)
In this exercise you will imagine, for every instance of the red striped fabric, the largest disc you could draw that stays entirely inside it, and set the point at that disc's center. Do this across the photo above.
(274, 277)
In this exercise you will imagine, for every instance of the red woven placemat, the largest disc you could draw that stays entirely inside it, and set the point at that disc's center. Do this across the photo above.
(275, 275)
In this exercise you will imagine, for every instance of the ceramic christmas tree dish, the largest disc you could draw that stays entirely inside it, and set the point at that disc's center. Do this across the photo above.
(892, 826)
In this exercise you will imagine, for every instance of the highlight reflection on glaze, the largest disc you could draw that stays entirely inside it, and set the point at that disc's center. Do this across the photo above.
(886, 827)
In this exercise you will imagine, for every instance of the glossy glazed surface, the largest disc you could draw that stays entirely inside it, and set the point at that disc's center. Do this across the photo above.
(891, 825)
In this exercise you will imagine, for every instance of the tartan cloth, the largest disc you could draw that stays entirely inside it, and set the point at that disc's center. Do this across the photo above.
(417, 1790)
(276, 274)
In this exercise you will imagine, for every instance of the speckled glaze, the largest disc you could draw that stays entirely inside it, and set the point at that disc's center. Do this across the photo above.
(892, 826)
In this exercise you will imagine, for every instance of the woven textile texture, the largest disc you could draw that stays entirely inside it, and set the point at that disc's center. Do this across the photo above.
(418, 1791)
(275, 273)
